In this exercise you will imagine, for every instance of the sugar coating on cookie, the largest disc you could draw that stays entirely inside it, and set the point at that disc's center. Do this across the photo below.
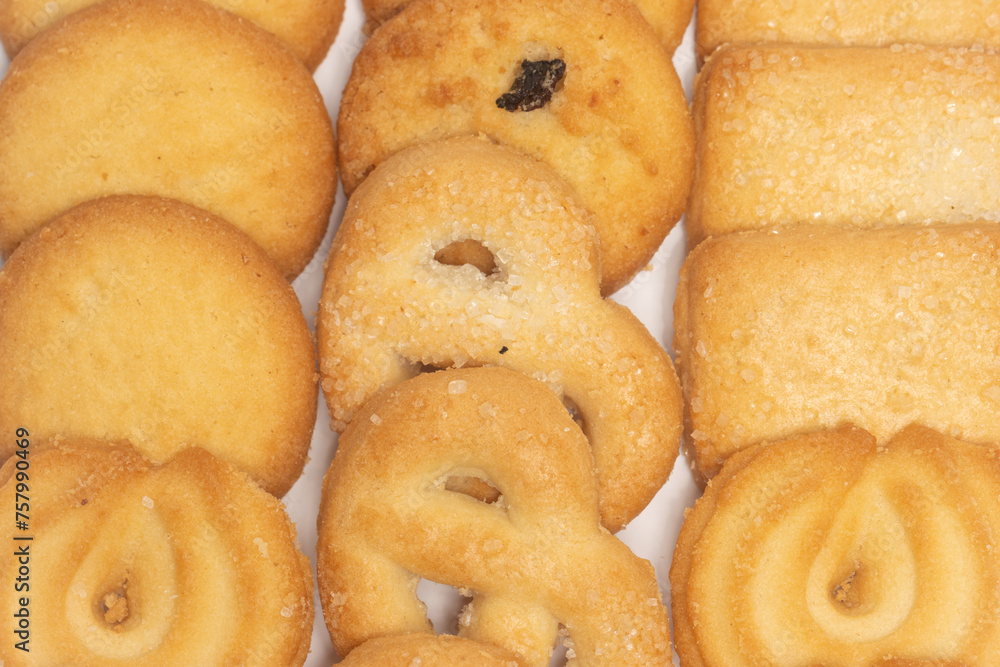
(617, 127)
(151, 321)
(535, 559)
(135, 564)
(835, 23)
(173, 98)
(394, 303)
(307, 28)
(807, 328)
(846, 136)
(828, 545)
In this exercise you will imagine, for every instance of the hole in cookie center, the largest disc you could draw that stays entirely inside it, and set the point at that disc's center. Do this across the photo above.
(114, 606)
(474, 487)
(470, 252)
(850, 590)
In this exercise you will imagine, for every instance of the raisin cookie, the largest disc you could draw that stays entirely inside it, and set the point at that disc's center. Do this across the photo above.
(583, 85)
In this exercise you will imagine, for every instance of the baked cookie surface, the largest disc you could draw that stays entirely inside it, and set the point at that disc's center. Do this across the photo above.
(807, 328)
(427, 650)
(392, 303)
(616, 126)
(668, 18)
(244, 134)
(143, 319)
(859, 23)
(534, 559)
(829, 549)
(307, 28)
(858, 137)
(135, 564)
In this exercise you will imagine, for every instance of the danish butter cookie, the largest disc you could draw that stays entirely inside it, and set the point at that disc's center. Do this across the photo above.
(669, 18)
(307, 28)
(394, 302)
(427, 650)
(144, 319)
(607, 110)
(173, 98)
(828, 549)
(859, 136)
(533, 560)
(135, 564)
(807, 328)
(858, 23)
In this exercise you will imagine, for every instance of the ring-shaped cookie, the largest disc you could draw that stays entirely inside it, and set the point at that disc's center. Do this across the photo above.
(390, 306)
(616, 128)
(830, 549)
(533, 560)
(133, 564)
(148, 320)
(243, 134)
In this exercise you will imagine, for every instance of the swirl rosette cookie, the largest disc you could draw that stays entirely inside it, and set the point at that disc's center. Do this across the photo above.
(130, 563)
(583, 85)
(829, 549)
(536, 561)
(395, 300)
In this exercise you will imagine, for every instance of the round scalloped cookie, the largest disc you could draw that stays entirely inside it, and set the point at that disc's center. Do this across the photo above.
(617, 127)
(669, 18)
(148, 320)
(173, 98)
(137, 564)
(308, 28)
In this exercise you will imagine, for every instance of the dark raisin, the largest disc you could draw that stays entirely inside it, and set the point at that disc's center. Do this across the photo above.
(534, 85)
(503, 350)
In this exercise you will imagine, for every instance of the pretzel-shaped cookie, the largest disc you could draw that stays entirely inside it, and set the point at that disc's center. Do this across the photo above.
(831, 549)
(389, 305)
(425, 650)
(534, 560)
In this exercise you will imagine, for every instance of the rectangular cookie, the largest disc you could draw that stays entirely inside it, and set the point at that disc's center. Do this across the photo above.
(788, 331)
(861, 23)
(850, 136)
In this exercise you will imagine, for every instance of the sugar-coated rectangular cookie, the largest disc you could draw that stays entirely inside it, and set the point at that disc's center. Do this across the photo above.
(792, 330)
(849, 136)
(836, 23)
